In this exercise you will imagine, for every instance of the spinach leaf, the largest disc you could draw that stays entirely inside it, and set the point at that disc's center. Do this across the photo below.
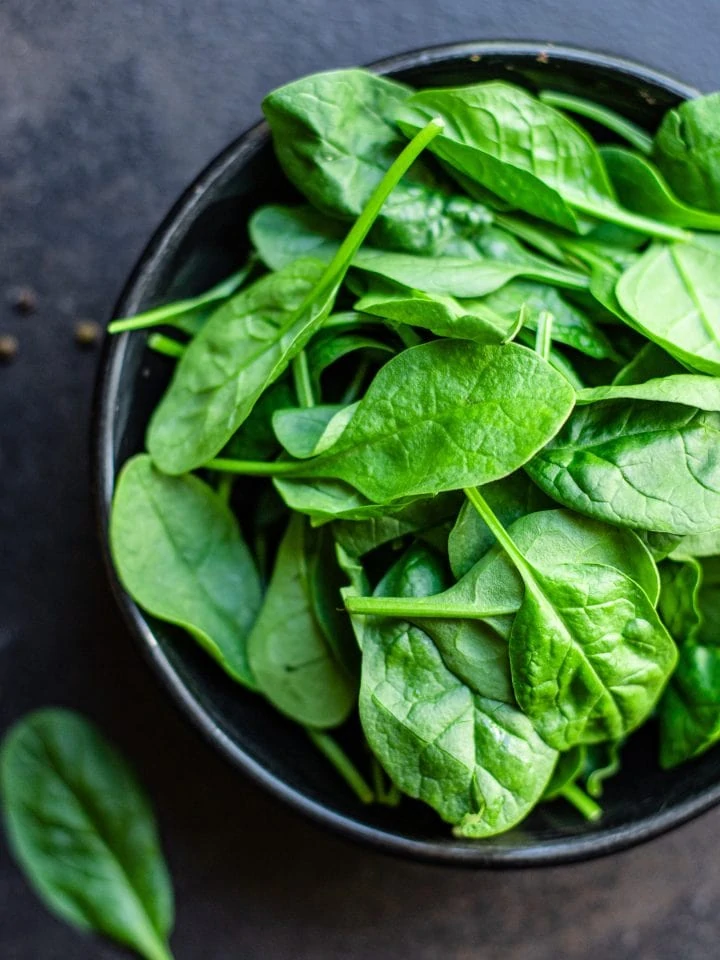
(687, 389)
(477, 762)
(255, 438)
(360, 537)
(179, 553)
(567, 770)
(83, 831)
(647, 364)
(687, 151)
(697, 545)
(679, 598)
(637, 464)
(601, 114)
(443, 316)
(640, 186)
(248, 344)
(526, 152)
(281, 235)
(337, 163)
(294, 665)
(308, 431)
(589, 655)
(672, 295)
(327, 349)
(570, 325)
(512, 497)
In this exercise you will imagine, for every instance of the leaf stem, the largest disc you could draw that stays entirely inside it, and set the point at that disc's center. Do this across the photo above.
(254, 468)
(224, 487)
(302, 381)
(168, 311)
(603, 115)
(581, 801)
(543, 334)
(497, 529)
(353, 388)
(614, 213)
(418, 607)
(342, 763)
(166, 345)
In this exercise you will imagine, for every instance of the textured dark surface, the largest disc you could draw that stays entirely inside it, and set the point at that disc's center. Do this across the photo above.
(106, 111)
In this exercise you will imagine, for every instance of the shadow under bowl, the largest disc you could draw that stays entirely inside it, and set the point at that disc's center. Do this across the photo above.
(202, 240)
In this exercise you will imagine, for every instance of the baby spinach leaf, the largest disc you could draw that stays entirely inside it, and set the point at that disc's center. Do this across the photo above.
(687, 389)
(281, 235)
(83, 831)
(647, 364)
(255, 438)
(526, 152)
(601, 114)
(179, 553)
(679, 598)
(360, 537)
(510, 498)
(443, 316)
(250, 342)
(327, 349)
(588, 653)
(288, 651)
(325, 580)
(687, 151)
(639, 464)
(570, 325)
(640, 186)
(567, 770)
(456, 398)
(308, 431)
(672, 295)
(477, 762)
(697, 545)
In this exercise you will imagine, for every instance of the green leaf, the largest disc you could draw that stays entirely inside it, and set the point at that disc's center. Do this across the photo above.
(672, 295)
(477, 762)
(570, 325)
(360, 537)
(601, 114)
(641, 187)
(647, 364)
(687, 151)
(255, 438)
(327, 349)
(289, 654)
(83, 831)
(525, 151)
(178, 552)
(567, 770)
(697, 545)
(470, 539)
(282, 235)
(307, 431)
(250, 342)
(687, 389)
(469, 404)
(637, 464)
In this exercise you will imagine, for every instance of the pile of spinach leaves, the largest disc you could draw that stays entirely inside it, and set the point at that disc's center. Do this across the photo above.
(445, 453)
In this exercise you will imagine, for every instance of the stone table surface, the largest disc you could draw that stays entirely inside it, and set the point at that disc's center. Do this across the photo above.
(106, 111)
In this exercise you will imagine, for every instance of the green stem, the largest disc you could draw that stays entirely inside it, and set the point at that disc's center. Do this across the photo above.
(498, 530)
(301, 378)
(614, 213)
(224, 487)
(378, 780)
(166, 345)
(167, 312)
(543, 334)
(255, 468)
(342, 763)
(532, 236)
(353, 388)
(581, 801)
(393, 795)
(418, 607)
(603, 115)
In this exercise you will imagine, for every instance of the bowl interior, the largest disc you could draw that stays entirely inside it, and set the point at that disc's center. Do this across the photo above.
(201, 241)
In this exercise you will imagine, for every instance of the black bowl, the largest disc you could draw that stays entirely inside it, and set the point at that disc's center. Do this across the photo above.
(202, 240)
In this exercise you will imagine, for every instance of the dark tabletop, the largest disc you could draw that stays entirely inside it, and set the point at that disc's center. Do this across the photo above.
(107, 109)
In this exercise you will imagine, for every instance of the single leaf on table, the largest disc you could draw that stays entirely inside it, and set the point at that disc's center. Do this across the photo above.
(250, 342)
(687, 151)
(179, 553)
(443, 316)
(83, 831)
(691, 390)
(641, 187)
(570, 325)
(672, 295)
(477, 762)
(335, 136)
(510, 498)
(640, 464)
(295, 667)
(525, 151)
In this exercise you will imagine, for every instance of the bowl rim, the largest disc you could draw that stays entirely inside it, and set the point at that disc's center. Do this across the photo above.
(560, 850)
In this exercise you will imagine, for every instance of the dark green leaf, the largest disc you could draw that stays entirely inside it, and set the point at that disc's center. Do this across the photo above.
(687, 151)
